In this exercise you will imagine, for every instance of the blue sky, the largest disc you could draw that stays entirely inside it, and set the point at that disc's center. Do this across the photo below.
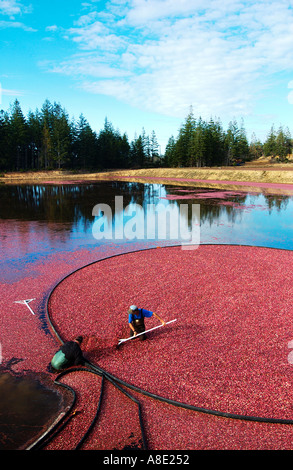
(143, 63)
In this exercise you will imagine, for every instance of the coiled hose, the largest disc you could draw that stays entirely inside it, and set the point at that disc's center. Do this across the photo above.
(52, 433)
(222, 414)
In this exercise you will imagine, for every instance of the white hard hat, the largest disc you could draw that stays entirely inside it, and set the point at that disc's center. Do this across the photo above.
(133, 307)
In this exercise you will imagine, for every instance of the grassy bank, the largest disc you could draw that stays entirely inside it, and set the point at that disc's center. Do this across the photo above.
(233, 174)
(276, 174)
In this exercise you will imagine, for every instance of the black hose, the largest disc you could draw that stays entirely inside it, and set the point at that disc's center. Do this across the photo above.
(52, 433)
(193, 407)
(87, 433)
(112, 380)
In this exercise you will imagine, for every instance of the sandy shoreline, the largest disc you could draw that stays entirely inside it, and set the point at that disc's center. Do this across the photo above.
(271, 178)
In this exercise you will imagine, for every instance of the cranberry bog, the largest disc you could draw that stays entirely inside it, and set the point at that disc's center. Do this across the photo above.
(222, 369)
(219, 378)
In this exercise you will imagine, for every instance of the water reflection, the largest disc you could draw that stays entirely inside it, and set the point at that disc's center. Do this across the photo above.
(38, 219)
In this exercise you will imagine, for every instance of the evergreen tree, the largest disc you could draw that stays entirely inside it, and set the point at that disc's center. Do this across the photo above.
(145, 140)
(124, 152)
(47, 148)
(47, 115)
(231, 141)
(5, 160)
(180, 152)
(270, 145)
(288, 140)
(184, 150)
(112, 147)
(283, 143)
(154, 147)
(242, 150)
(198, 144)
(47, 122)
(216, 148)
(137, 152)
(74, 162)
(237, 143)
(61, 132)
(255, 147)
(85, 148)
(170, 152)
(34, 138)
(18, 137)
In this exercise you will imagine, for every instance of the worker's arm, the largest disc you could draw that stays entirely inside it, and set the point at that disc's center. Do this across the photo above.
(131, 327)
(160, 319)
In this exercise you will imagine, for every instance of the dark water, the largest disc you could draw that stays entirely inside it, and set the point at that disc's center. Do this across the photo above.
(27, 407)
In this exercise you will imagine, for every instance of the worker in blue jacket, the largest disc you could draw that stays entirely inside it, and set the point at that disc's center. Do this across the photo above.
(136, 318)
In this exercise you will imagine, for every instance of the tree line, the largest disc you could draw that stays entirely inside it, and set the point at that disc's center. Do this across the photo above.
(48, 139)
(206, 143)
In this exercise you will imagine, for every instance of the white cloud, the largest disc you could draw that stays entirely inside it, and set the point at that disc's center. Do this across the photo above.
(9, 7)
(52, 28)
(94, 35)
(142, 11)
(164, 55)
(16, 24)
(6, 92)
(13, 7)
(9, 92)
(87, 66)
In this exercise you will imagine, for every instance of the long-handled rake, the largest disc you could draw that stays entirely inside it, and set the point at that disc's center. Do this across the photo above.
(144, 332)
